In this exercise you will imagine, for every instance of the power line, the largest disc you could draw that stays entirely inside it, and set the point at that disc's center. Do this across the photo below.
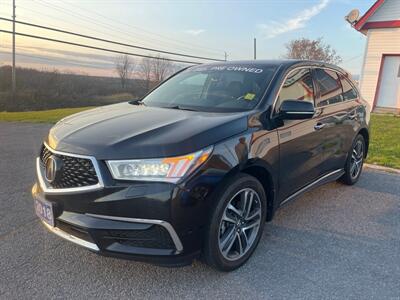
(107, 26)
(94, 20)
(121, 34)
(65, 54)
(98, 48)
(59, 20)
(352, 58)
(85, 18)
(110, 41)
(141, 29)
(58, 60)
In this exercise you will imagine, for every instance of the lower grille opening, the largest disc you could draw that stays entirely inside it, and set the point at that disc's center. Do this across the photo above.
(75, 231)
(156, 237)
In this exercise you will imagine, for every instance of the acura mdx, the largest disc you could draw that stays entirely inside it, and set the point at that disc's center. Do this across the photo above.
(196, 167)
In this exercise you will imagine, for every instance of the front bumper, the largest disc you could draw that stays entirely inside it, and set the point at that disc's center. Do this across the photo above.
(109, 224)
(71, 237)
(158, 222)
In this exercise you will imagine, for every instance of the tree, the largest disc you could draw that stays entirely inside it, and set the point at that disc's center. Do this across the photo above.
(155, 69)
(145, 69)
(312, 50)
(124, 67)
(162, 68)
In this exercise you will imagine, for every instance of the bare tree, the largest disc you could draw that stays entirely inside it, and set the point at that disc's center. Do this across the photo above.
(145, 69)
(155, 69)
(124, 67)
(162, 68)
(312, 50)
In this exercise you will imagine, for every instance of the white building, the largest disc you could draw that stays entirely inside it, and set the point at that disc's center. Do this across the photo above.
(380, 74)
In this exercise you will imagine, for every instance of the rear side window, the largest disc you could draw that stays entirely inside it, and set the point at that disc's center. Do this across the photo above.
(349, 92)
(329, 86)
(297, 86)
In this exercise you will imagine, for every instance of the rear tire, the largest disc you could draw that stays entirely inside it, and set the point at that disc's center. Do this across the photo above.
(236, 223)
(355, 161)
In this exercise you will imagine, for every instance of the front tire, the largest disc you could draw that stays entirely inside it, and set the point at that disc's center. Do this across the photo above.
(355, 161)
(236, 223)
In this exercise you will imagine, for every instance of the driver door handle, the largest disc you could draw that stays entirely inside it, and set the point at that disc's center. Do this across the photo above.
(319, 126)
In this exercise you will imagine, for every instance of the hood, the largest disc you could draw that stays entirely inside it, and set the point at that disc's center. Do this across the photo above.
(126, 131)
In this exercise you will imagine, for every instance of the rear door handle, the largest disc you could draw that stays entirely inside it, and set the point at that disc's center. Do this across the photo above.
(319, 126)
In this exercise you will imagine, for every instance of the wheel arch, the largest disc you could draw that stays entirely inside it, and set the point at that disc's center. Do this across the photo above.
(365, 134)
(267, 181)
(263, 172)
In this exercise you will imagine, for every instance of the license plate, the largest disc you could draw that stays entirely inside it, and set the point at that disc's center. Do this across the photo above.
(44, 210)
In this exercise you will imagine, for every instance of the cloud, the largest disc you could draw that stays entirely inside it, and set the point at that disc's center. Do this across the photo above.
(194, 31)
(274, 28)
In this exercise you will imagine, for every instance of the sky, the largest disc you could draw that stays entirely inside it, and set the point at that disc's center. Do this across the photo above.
(202, 28)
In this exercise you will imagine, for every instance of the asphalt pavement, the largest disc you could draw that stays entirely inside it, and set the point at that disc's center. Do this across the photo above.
(336, 242)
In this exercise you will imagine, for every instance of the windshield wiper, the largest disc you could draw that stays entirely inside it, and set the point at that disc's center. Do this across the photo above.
(137, 102)
(180, 107)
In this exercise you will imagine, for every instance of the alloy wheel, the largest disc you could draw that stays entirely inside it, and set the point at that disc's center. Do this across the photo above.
(357, 157)
(240, 224)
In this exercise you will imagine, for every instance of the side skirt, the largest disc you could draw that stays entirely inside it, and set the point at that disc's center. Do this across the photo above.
(332, 176)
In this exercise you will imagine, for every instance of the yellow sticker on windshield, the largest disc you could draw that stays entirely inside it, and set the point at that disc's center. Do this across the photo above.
(249, 96)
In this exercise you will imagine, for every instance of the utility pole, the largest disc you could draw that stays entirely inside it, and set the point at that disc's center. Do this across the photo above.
(13, 54)
(255, 48)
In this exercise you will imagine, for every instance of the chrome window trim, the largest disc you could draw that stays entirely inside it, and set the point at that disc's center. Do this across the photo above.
(49, 190)
(345, 74)
(298, 112)
(165, 224)
(312, 68)
(281, 86)
(71, 238)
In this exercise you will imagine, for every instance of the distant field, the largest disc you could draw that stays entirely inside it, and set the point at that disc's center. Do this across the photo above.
(384, 146)
(44, 116)
(52, 89)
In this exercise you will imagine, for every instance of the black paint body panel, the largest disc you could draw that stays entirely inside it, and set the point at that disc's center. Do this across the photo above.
(292, 153)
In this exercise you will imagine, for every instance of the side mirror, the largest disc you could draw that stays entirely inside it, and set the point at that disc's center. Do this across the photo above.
(296, 110)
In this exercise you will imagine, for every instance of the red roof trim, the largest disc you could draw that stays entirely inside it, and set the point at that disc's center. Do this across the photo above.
(369, 13)
(382, 24)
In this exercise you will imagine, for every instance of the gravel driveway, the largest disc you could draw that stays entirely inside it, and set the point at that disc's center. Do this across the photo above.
(334, 242)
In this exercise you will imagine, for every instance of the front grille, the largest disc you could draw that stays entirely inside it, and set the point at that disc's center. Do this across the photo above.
(76, 171)
(156, 237)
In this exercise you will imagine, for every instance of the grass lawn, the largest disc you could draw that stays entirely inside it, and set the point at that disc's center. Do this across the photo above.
(44, 116)
(384, 146)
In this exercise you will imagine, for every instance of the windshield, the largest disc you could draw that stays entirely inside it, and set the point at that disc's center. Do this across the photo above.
(216, 88)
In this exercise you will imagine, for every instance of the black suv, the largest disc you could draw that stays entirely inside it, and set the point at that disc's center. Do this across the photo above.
(196, 167)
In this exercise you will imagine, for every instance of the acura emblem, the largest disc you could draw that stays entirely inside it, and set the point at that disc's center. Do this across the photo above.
(53, 168)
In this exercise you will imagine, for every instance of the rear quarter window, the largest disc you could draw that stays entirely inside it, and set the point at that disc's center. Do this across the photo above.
(349, 92)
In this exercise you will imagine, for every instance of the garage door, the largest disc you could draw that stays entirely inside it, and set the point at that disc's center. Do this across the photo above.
(389, 89)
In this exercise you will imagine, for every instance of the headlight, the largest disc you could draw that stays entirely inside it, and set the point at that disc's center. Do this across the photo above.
(169, 169)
